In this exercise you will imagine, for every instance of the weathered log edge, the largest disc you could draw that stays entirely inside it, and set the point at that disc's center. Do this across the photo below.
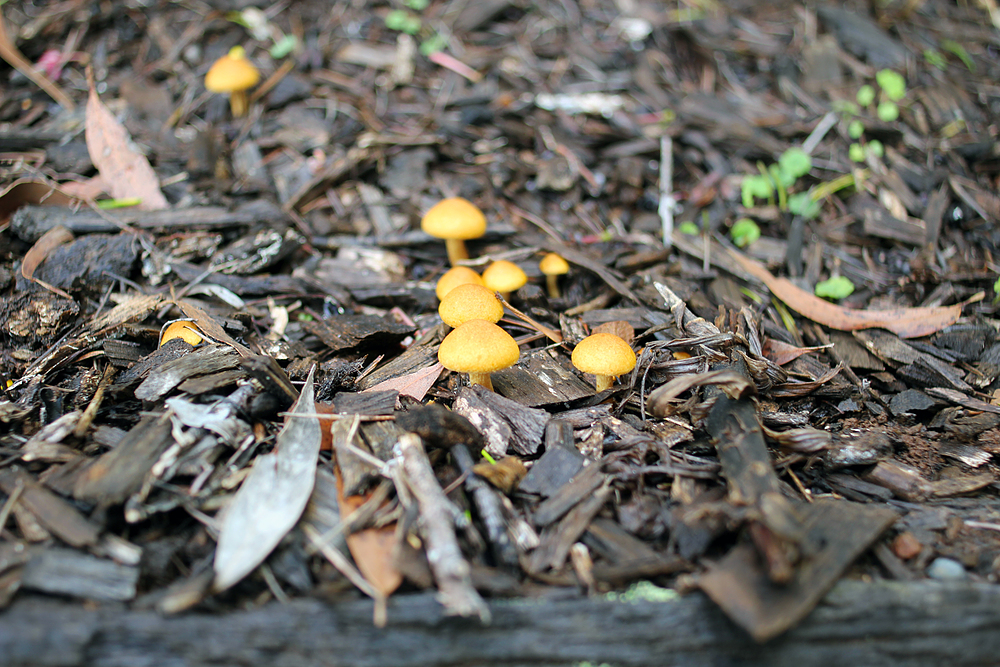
(882, 623)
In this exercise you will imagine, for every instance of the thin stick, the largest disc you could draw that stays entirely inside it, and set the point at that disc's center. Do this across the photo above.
(667, 201)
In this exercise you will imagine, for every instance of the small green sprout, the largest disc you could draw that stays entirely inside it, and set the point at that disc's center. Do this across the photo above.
(838, 287)
(744, 232)
(866, 95)
(855, 129)
(433, 44)
(954, 47)
(935, 58)
(689, 228)
(417, 5)
(876, 147)
(892, 84)
(803, 204)
(403, 21)
(795, 162)
(887, 111)
(856, 152)
(996, 291)
(756, 186)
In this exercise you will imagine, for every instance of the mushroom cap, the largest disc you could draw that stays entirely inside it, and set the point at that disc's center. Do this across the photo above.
(469, 302)
(504, 276)
(553, 265)
(232, 72)
(603, 354)
(186, 330)
(452, 278)
(478, 346)
(454, 218)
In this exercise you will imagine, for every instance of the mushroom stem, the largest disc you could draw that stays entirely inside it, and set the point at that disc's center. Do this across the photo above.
(505, 296)
(456, 250)
(238, 103)
(552, 282)
(604, 382)
(481, 379)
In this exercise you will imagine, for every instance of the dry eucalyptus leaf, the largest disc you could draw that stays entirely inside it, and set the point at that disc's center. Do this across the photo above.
(125, 170)
(272, 497)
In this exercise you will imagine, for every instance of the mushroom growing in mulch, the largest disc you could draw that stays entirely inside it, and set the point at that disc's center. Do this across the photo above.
(469, 302)
(504, 277)
(478, 348)
(233, 74)
(453, 277)
(604, 355)
(455, 220)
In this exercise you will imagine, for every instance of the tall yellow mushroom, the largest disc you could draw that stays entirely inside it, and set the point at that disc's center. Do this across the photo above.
(233, 74)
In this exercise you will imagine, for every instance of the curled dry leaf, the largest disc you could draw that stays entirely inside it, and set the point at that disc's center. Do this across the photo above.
(44, 246)
(732, 384)
(125, 170)
(904, 322)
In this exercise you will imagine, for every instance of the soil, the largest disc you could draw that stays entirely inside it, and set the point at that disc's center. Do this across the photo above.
(627, 137)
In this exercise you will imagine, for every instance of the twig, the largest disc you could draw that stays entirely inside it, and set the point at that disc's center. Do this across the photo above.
(450, 569)
(667, 201)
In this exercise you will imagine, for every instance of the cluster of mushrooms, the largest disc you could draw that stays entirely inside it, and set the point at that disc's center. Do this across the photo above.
(476, 345)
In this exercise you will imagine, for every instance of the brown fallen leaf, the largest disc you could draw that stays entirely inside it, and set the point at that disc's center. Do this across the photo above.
(781, 352)
(124, 169)
(43, 247)
(30, 191)
(619, 328)
(371, 548)
(904, 322)
(415, 384)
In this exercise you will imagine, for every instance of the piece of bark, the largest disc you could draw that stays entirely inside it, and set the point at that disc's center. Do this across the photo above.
(357, 473)
(537, 379)
(739, 585)
(558, 465)
(30, 222)
(201, 361)
(451, 571)
(420, 355)
(588, 480)
(54, 513)
(505, 424)
(119, 473)
(369, 403)
(557, 539)
(69, 572)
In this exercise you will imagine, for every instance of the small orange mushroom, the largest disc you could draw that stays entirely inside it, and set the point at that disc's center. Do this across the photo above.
(233, 74)
(604, 355)
(453, 277)
(455, 220)
(478, 348)
(553, 266)
(504, 277)
(469, 302)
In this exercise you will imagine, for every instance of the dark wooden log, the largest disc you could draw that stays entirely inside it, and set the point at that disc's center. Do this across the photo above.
(916, 624)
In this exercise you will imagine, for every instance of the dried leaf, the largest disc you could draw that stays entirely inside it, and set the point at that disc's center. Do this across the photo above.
(904, 322)
(619, 328)
(272, 497)
(30, 191)
(371, 548)
(124, 169)
(211, 328)
(415, 384)
(43, 247)
(732, 384)
(782, 353)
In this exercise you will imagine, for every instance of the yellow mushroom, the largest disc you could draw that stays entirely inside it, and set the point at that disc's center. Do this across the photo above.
(553, 266)
(453, 277)
(604, 355)
(478, 348)
(504, 277)
(233, 74)
(469, 302)
(455, 220)
(184, 329)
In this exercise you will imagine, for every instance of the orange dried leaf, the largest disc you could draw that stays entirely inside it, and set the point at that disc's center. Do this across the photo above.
(125, 170)
(372, 548)
(782, 353)
(904, 322)
(44, 246)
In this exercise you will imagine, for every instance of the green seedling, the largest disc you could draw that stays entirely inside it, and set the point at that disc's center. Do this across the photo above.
(866, 95)
(856, 152)
(887, 111)
(935, 58)
(959, 51)
(744, 232)
(756, 187)
(689, 228)
(433, 44)
(417, 5)
(876, 147)
(836, 288)
(403, 21)
(892, 84)
(109, 204)
(804, 204)
(855, 129)
(996, 291)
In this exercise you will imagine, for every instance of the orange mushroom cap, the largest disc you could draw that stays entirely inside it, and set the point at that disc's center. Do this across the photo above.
(232, 73)
(469, 302)
(452, 278)
(504, 276)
